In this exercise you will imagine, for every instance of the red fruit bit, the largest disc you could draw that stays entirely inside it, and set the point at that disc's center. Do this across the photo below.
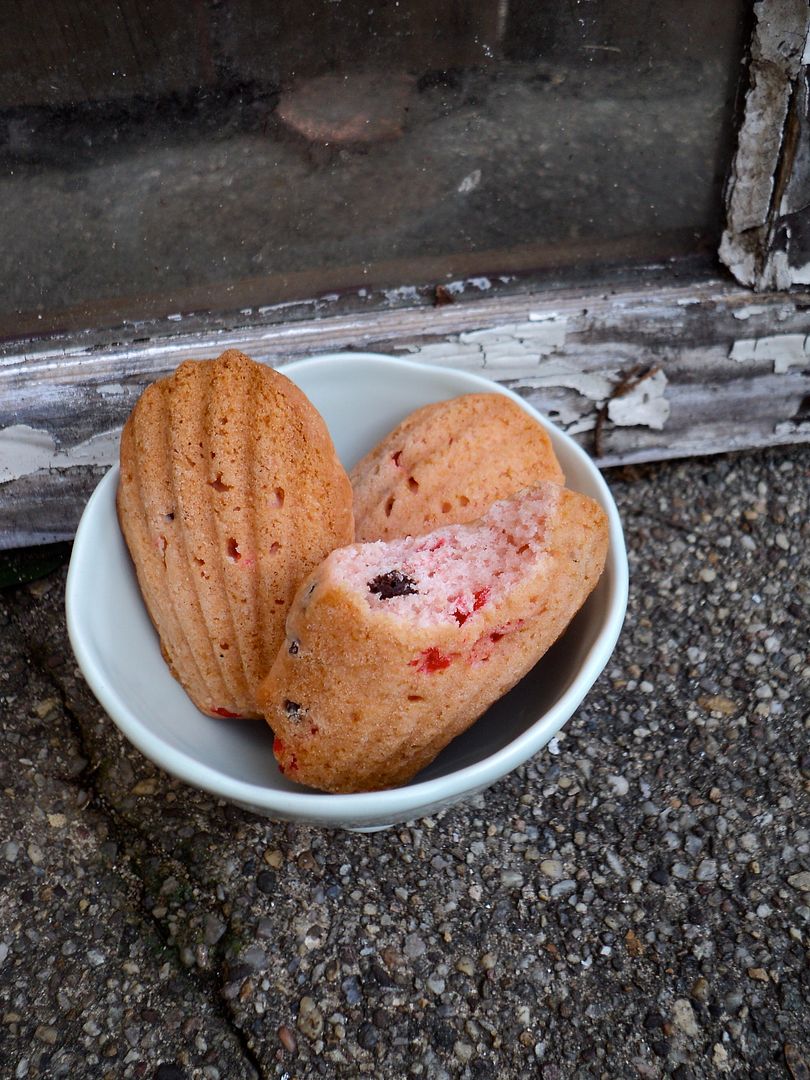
(278, 746)
(431, 660)
(495, 636)
(293, 763)
(313, 730)
(439, 543)
(461, 616)
(481, 597)
(229, 715)
(395, 457)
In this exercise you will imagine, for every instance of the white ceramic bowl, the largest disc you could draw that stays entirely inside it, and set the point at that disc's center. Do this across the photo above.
(361, 396)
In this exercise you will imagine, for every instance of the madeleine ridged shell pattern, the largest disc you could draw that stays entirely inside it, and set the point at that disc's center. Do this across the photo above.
(230, 493)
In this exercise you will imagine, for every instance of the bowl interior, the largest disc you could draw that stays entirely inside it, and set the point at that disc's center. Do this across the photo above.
(361, 399)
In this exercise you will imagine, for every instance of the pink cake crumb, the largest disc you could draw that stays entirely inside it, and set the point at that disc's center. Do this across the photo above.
(454, 572)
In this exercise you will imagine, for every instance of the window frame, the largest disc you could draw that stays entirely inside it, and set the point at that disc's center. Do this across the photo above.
(644, 363)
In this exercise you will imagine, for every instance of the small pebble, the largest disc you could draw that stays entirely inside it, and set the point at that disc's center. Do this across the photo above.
(414, 946)
(707, 870)
(511, 879)
(563, 888)
(286, 1036)
(310, 1018)
(463, 1051)
(618, 784)
(683, 1017)
(145, 787)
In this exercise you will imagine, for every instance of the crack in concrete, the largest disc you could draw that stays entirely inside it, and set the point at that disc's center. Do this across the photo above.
(132, 875)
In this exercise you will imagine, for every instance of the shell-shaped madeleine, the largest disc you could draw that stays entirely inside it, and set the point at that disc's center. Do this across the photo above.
(230, 493)
(446, 463)
(395, 648)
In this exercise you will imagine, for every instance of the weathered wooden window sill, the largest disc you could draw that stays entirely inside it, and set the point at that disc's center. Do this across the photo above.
(654, 369)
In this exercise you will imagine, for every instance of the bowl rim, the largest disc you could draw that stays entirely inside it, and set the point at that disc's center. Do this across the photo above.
(340, 809)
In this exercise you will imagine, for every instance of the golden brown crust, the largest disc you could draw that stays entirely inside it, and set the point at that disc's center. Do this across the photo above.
(446, 463)
(230, 492)
(359, 699)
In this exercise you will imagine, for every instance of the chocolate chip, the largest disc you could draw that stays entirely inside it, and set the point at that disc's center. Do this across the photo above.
(293, 649)
(394, 583)
(293, 710)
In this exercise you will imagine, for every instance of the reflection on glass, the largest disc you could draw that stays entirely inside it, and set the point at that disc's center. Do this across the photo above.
(169, 156)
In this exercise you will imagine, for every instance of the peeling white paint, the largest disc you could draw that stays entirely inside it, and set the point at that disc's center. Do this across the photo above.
(542, 337)
(403, 292)
(785, 351)
(25, 450)
(585, 423)
(560, 372)
(499, 348)
(784, 274)
(792, 427)
(751, 310)
(101, 449)
(269, 309)
(507, 354)
(741, 262)
(572, 414)
(449, 354)
(111, 389)
(455, 287)
(645, 405)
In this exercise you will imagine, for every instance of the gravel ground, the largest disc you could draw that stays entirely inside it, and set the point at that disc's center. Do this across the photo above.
(633, 902)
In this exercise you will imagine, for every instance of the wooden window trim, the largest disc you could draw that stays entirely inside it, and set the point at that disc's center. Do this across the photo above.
(660, 364)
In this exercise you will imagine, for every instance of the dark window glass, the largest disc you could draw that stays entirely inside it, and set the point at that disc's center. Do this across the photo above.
(165, 156)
